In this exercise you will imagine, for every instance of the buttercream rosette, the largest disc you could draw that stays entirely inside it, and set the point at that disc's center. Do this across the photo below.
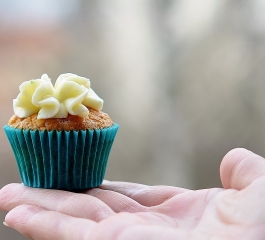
(70, 94)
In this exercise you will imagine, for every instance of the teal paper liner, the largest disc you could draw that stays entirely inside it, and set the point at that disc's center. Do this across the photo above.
(66, 160)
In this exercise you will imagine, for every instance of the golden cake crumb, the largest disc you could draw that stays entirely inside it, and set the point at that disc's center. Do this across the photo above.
(95, 120)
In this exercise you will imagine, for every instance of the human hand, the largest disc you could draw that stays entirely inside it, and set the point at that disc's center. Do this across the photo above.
(119, 210)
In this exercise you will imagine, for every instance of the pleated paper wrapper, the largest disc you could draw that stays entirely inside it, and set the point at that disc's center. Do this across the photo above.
(66, 160)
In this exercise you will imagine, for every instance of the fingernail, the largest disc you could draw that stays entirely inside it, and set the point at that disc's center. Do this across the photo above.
(5, 224)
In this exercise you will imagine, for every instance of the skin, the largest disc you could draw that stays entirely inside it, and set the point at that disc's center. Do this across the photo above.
(120, 210)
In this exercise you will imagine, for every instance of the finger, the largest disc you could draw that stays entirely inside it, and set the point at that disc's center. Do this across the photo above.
(143, 194)
(73, 204)
(116, 201)
(39, 224)
(240, 167)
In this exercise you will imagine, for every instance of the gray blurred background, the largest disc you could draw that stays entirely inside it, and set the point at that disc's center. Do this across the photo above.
(184, 79)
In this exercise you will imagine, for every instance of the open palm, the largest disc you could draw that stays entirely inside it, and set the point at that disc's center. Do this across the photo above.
(119, 210)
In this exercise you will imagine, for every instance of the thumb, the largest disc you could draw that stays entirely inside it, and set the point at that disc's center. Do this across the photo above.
(240, 167)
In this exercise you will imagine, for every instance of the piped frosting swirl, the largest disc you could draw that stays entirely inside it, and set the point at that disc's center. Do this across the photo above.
(71, 94)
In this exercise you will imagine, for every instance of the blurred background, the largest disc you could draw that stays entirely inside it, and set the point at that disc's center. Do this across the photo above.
(184, 79)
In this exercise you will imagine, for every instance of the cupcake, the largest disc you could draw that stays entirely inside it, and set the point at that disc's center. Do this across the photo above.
(60, 137)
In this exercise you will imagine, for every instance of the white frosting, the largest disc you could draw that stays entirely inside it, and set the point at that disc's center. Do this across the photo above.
(70, 94)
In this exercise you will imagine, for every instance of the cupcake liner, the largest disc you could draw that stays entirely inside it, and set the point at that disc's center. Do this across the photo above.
(66, 160)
